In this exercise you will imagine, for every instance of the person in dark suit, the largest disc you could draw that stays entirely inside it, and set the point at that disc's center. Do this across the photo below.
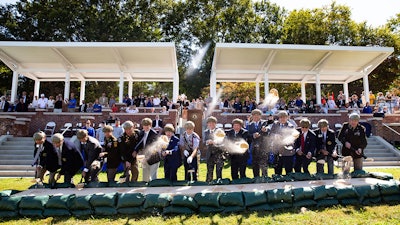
(113, 152)
(83, 107)
(305, 146)
(237, 105)
(40, 154)
(90, 149)
(127, 141)
(21, 106)
(189, 144)
(238, 160)
(257, 131)
(215, 150)
(65, 157)
(157, 124)
(4, 105)
(326, 146)
(282, 152)
(147, 137)
(354, 140)
(171, 154)
(26, 98)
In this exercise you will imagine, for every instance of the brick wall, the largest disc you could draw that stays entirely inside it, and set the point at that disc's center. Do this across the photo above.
(39, 119)
(34, 121)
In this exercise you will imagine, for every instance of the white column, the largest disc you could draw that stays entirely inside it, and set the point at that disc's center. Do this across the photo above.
(266, 85)
(67, 85)
(121, 87)
(175, 87)
(318, 88)
(36, 89)
(303, 92)
(130, 88)
(257, 92)
(83, 90)
(14, 86)
(366, 87)
(346, 91)
(213, 84)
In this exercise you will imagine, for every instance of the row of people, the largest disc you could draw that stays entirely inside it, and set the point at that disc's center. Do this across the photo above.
(278, 143)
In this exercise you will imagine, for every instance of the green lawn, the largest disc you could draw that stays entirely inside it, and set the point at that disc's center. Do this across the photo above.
(24, 183)
(380, 214)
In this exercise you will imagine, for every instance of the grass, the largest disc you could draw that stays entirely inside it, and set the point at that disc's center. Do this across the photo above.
(380, 214)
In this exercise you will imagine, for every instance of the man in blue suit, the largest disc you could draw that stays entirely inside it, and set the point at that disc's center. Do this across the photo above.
(171, 154)
(66, 159)
(257, 131)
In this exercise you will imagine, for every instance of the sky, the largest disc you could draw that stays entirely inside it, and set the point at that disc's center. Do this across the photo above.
(375, 12)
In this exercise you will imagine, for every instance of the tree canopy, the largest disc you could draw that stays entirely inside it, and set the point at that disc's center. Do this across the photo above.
(194, 26)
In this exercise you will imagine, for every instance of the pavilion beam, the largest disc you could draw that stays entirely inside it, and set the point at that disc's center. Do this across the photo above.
(303, 91)
(318, 88)
(213, 84)
(121, 87)
(175, 87)
(130, 88)
(266, 85)
(83, 91)
(67, 85)
(257, 92)
(36, 89)
(346, 91)
(14, 86)
(366, 87)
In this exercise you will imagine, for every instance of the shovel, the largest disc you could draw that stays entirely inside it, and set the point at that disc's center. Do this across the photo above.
(80, 185)
(122, 178)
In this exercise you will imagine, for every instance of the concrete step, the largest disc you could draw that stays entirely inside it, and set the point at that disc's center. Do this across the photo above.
(393, 158)
(17, 147)
(375, 146)
(381, 163)
(16, 173)
(381, 154)
(16, 157)
(25, 143)
(23, 139)
(381, 150)
(16, 167)
(15, 162)
(16, 152)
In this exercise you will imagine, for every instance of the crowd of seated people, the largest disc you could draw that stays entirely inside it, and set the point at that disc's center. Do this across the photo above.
(380, 103)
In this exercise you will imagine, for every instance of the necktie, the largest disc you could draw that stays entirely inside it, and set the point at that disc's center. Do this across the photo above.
(302, 143)
(59, 156)
(145, 139)
(83, 148)
(236, 133)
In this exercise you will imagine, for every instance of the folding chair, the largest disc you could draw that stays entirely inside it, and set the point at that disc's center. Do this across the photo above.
(227, 126)
(67, 130)
(49, 129)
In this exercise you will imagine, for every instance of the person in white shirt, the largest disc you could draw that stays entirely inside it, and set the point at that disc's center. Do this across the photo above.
(132, 109)
(35, 102)
(50, 102)
(331, 103)
(42, 102)
(156, 101)
(118, 131)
